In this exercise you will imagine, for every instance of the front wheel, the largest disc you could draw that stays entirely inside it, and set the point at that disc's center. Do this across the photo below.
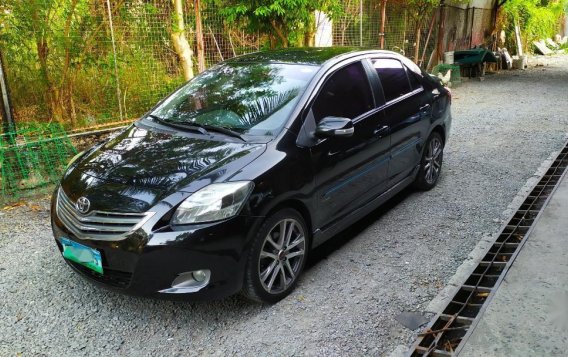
(431, 163)
(277, 257)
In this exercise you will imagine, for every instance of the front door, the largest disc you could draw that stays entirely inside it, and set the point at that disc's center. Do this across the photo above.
(349, 171)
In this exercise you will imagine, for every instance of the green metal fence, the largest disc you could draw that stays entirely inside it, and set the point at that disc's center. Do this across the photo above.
(32, 158)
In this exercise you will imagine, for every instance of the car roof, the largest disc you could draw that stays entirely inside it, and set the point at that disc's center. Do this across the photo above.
(316, 56)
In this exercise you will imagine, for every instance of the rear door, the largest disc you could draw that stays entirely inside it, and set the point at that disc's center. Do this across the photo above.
(406, 114)
(348, 169)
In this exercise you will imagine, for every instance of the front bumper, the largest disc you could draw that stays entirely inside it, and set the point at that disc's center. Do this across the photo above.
(146, 262)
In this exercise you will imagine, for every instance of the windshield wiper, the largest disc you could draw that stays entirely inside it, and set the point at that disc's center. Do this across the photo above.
(222, 130)
(180, 125)
(201, 128)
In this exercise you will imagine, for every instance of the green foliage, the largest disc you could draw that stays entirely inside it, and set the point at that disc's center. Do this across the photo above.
(421, 9)
(285, 22)
(538, 19)
(60, 60)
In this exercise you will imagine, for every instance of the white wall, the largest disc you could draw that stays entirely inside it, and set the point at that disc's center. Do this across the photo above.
(324, 30)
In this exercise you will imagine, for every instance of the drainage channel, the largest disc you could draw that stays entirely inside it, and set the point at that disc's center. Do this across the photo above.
(446, 334)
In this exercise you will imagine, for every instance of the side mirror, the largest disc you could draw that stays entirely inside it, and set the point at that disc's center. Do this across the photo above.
(334, 127)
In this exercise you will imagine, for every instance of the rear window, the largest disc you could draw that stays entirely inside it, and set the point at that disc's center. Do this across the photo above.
(414, 82)
(393, 78)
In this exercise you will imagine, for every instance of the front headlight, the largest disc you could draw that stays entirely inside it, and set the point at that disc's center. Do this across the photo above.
(213, 203)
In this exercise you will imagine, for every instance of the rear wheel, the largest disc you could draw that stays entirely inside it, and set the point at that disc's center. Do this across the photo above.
(431, 163)
(277, 257)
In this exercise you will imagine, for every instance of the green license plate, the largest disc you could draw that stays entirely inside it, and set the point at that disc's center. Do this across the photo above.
(81, 254)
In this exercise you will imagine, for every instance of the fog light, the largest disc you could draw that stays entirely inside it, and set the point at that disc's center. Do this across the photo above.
(189, 282)
(200, 275)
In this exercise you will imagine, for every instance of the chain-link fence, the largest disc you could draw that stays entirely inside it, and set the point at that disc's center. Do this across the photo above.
(90, 64)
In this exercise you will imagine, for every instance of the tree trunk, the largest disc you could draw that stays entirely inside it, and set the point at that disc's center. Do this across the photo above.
(272, 41)
(310, 34)
(417, 47)
(43, 54)
(199, 36)
(51, 93)
(6, 105)
(310, 38)
(66, 85)
(72, 109)
(179, 39)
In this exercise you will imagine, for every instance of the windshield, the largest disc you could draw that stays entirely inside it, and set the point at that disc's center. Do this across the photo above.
(250, 98)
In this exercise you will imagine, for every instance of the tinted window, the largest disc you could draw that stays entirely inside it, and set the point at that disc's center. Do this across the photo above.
(414, 82)
(346, 94)
(253, 98)
(393, 78)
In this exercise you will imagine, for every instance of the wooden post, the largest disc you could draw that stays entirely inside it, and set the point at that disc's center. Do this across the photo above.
(231, 42)
(472, 28)
(199, 36)
(216, 43)
(403, 48)
(518, 37)
(361, 23)
(440, 48)
(383, 22)
(117, 78)
(428, 39)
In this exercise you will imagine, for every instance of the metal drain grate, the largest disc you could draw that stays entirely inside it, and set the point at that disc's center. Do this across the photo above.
(447, 332)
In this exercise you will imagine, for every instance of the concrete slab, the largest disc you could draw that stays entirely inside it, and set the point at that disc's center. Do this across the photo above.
(440, 301)
(529, 314)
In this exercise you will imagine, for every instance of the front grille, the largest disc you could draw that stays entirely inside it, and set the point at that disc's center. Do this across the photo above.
(115, 278)
(98, 225)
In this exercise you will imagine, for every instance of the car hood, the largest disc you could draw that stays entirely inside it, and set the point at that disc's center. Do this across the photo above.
(161, 161)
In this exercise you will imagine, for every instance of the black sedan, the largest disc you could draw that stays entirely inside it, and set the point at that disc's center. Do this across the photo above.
(228, 183)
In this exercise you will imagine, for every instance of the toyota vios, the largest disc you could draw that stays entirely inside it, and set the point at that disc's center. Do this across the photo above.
(228, 183)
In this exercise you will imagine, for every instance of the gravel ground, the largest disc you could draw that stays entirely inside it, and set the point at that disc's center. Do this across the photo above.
(395, 260)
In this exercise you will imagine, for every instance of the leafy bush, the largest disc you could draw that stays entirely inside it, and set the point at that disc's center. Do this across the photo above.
(538, 19)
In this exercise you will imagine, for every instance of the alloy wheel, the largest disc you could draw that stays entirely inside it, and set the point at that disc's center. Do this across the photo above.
(282, 256)
(433, 160)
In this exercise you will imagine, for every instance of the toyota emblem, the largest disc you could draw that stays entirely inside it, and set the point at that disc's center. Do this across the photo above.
(83, 204)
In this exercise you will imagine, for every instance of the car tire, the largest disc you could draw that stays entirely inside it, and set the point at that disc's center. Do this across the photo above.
(431, 163)
(276, 260)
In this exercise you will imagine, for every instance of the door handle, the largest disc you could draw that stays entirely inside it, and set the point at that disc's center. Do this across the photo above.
(425, 107)
(382, 131)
